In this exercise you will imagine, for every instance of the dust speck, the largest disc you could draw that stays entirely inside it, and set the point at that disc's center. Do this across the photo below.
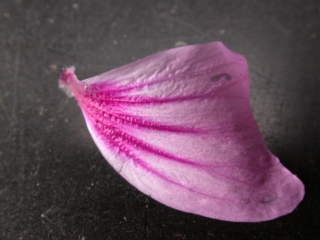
(75, 6)
(53, 67)
(6, 15)
(313, 36)
(51, 20)
(41, 110)
(180, 43)
(173, 10)
(222, 31)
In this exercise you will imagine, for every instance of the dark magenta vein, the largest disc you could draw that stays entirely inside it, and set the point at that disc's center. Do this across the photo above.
(155, 172)
(155, 125)
(95, 112)
(147, 167)
(230, 178)
(151, 100)
(133, 120)
(149, 148)
(135, 142)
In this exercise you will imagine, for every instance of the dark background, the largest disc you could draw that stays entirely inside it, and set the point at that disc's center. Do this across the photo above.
(54, 184)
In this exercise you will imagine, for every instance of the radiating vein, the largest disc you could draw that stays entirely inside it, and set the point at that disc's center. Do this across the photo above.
(94, 111)
(155, 172)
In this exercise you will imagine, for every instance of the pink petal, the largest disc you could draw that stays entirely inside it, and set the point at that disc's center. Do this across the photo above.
(178, 126)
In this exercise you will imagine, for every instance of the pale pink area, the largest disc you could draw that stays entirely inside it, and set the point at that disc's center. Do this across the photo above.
(178, 126)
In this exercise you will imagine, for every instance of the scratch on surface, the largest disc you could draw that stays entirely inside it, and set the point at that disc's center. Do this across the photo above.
(4, 111)
(3, 166)
(259, 74)
(181, 22)
(60, 51)
(49, 222)
(3, 190)
(12, 113)
(62, 104)
(276, 23)
(16, 70)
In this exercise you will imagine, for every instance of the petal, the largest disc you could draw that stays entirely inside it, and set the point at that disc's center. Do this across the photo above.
(178, 126)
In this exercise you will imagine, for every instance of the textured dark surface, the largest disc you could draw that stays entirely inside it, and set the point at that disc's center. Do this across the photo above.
(54, 184)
